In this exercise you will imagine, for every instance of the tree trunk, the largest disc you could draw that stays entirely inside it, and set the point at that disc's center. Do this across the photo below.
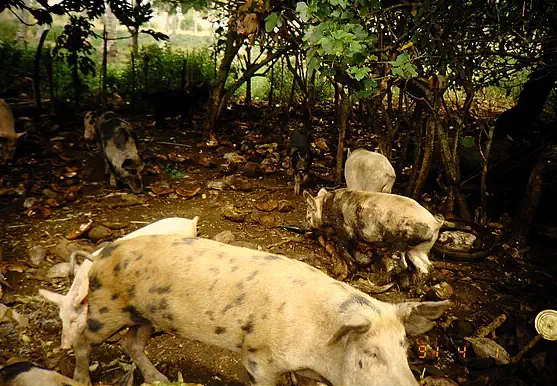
(21, 34)
(37, 80)
(104, 67)
(451, 170)
(344, 113)
(135, 41)
(50, 77)
(534, 191)
(272, 85)
(217, 94)
(247, 101)
(429, 141)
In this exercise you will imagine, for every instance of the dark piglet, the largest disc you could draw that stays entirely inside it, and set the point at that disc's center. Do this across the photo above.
(118, 142)
(301, 156)
(171, 103)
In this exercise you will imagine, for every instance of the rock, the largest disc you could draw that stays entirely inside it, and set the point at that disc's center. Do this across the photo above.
(116, 225)
(50, 193)
(226, 237)
(60, 270)
(251, 169)
(443, 290)
(64, 248)
(37, 254)
(266, 206)
(363, 259)
(98, 233)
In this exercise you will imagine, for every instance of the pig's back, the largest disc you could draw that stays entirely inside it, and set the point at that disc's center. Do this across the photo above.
(369, 171)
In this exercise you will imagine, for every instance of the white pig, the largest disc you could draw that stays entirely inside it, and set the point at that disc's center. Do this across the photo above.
(369, 171)
(73, 309)
(28, 374)
(374, 217)
(281, 315)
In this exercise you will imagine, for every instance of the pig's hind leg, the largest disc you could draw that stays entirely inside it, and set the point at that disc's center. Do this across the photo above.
(133, 343)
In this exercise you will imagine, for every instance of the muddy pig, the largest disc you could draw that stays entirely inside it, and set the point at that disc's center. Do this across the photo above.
(118, 142)
(301, 156)
(281, 315)
(369, 171)
(73, 308)
(8, 136)
(374, 217)
(28, 374)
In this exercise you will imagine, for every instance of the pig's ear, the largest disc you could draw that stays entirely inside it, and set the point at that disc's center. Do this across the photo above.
(310, 200)
(195, 220)
(418, 316)
(52, 297)
(357, 324)
(19, 135)
(81, 285)
(321, 192)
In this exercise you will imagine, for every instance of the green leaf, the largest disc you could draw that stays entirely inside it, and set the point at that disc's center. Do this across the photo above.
(467, 141)
(397, 71)
(361, 73)
(271, 22)
(302, 9)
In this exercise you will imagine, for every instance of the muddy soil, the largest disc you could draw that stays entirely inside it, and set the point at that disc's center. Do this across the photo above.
(57, 158)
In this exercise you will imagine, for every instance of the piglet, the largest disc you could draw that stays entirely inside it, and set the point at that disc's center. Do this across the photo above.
(373, 217)
(369, 171)
(281, 315)
(28, 374)
(118, 142)
(8, 136)
(73, 308)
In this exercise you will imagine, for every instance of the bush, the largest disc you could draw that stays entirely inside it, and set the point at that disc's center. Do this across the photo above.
(160, 68)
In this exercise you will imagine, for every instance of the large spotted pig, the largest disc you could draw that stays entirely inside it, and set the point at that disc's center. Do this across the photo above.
(8, 136)
(374, 217)
(369, 171)
(118, 142)
(73, 308)
(280, 314)
(28, 374)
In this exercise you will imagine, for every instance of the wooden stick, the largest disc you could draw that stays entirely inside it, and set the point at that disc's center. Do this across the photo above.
(482, 332)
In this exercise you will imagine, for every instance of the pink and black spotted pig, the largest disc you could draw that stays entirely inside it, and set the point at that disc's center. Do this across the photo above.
(281, 315)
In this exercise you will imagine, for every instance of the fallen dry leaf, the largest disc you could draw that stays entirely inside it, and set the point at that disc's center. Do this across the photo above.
(267, 206)
(486, 348)
(187, 193)
(32, 211)
(53, 203)
(80, 231)
(160, 190)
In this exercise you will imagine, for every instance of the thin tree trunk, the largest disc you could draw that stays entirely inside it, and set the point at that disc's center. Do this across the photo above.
(485, 158)
(525, 217)
(344, 113)
(134, 85)
(248, 81)
(37, 80)
(104, 68)
(217, 95)
(272, 84)
(429, 141)
(50, 77)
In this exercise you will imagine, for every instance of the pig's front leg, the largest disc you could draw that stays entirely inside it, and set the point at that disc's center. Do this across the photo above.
(261, 371)
(82, 349)
(133, 343)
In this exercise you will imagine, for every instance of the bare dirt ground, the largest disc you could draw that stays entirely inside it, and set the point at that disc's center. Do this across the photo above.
(57, 159)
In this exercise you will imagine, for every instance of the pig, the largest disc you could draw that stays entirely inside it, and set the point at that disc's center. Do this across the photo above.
(29, 374)
(301, 156)
(73, 309)
(118, 142)
(8, 136)
(369, 171)
(281, 315)
(374, 217)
